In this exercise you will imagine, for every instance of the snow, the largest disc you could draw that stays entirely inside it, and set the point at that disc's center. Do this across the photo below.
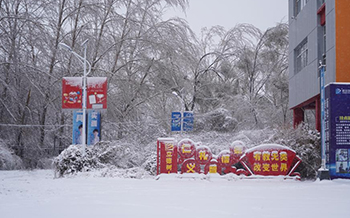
(74, 81)
(269, 147)
(96, 81)
(37, 194)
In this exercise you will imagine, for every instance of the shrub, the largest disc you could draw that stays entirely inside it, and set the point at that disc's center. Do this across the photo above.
(8, 160)
(307, 145)
(77, 158)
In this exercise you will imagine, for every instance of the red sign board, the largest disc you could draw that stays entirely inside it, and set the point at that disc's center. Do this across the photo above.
(72, 97)
(186, 148)
(264, 160)
(97, 93)
(166, 156)
(270, 160)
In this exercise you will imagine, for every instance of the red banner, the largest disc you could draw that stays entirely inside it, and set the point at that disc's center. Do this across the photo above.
(270, 160)
(96, 93)
(72, 97)
(187, 157)
(167, 156)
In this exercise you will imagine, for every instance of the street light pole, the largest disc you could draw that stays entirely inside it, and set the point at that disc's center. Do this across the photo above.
(84, 61)
(84, 94)
(323, 172)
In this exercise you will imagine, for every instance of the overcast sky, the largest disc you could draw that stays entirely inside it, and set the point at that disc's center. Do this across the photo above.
(207, 13)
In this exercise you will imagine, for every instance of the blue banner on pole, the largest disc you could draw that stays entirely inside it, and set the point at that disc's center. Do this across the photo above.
(337, 129)
(176, 121)
(187, 121)
(94, 127)
(77, 127)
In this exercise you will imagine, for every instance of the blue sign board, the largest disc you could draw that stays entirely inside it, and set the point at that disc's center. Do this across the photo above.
(77, 127)
(337, 129)
(187, 121)
(176, 121)
(94, 127)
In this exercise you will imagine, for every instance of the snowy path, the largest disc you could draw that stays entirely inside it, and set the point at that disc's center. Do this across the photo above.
(37, 194)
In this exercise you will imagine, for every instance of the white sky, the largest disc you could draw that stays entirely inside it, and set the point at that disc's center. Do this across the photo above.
(227, 13)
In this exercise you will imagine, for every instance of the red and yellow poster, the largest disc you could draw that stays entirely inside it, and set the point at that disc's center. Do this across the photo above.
(72, 94)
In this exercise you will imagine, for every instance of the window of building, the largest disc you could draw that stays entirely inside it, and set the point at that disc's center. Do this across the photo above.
(299, 5)
(322, 14)
(301, 56)
(324, 44)
(320, 3)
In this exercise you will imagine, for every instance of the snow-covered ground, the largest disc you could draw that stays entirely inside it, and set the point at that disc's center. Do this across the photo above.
(37, 194)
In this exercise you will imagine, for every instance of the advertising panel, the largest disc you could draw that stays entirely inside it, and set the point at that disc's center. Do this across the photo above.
(94, 127)
(337, 127)
(77, 127)
(72, 96)
(96, 93)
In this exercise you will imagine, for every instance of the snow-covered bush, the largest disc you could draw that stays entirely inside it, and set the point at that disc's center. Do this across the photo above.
(150, 165)
(307, 144)
(8, 160)
(77, 158)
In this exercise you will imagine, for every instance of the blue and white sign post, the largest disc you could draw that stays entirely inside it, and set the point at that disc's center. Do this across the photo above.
(94, 127)
(182, 121)
(176, 121)
(323, 171)
(187, 124)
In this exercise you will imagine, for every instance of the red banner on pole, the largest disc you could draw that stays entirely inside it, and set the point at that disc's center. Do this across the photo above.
(72, 96)
(96, 93)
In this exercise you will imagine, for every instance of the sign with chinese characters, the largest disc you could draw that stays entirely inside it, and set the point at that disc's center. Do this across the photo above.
(337, 128)
(188, 157)
(182, 121)
(77, 127)
(187, 121)
(96, 93)
(176, 121)
(186, 149)
(94, 127)
(72, 97)
(166, 156)
(270, 160)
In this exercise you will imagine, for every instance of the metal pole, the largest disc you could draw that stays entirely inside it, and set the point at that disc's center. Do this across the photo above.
(323, 132)
(182, 116)
(84, 95)
(84, 61)
(323, 172)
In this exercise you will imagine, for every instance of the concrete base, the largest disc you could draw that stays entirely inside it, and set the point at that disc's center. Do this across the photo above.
(323, 174)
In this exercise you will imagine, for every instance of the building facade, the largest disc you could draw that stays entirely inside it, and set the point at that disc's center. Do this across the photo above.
(319, 32)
